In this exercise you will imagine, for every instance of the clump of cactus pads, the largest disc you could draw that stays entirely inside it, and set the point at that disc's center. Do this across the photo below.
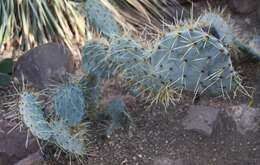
(255, 43)
(33, 116)
(194, 60)
(91, 89)
(101, 18)
(69, 103)
(248, 49)
(127, 58)
(117, 111)
(227, 34)
(94, 59)
(122, 54)
(133, 63)
(221, 24)
(67, 140)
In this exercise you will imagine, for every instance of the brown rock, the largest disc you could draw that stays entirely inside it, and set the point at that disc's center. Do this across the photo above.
(163, 161)
(33, 159)
(167, 161)
(201, 119)
(243, 6)
(246, 118)
(41, 65)
(12, 145)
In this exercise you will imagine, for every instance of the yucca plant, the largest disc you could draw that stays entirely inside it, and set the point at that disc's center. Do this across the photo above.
(33, 22)
(146, 13)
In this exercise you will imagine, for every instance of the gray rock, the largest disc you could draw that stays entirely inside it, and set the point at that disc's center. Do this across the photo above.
(33, 159)
(243, 6)
(201, 119)
(41, 65)
(246, 118)
(12, 145)
(167, 161)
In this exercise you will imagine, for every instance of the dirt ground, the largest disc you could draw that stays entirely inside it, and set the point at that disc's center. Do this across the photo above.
(159, 137)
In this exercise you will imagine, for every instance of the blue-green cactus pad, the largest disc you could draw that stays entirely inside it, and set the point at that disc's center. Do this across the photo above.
(224, 30)
(132, 61)
(117, 110)
(69, 104)
(128, 56)
(94, 59)
(33, 117)
(101, 18)
(194, 60)
(72, 143)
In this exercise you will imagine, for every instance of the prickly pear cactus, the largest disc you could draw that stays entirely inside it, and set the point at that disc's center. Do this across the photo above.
(117, 111)
(128, 57)
(225, 31)
(94, 59)
(248, 49)
(67, 140)
(91, 90)
(69, 104)
(101, 18)
(192, 59)
(255, 43)
(131, 60)
(33, 117)
(122, 55)
(227, 34)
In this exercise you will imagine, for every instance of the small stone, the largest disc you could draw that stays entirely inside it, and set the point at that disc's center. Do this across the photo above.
(243, 6)
(246, 118)
(248, 21)
(167, 161)
(140, 156)
(33, 159)
(201, 119)
(43, 64)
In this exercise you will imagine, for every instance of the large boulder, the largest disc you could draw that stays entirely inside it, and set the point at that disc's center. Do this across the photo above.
(43, 64)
